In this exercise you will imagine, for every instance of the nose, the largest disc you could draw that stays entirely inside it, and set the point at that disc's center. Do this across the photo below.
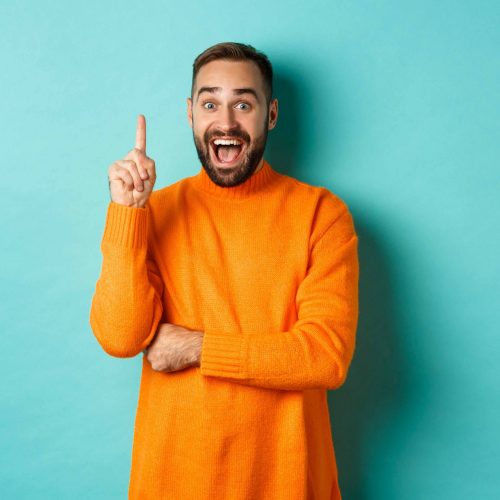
(227, 118)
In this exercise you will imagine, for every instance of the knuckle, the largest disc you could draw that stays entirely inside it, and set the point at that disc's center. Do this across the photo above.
(136, 166)
(131, 168)
(139, 155)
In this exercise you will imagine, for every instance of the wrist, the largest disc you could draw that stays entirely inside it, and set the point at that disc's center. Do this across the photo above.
(132, 205)
(199, 345)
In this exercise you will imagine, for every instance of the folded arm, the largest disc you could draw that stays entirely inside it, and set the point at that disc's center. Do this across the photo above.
(316, 352)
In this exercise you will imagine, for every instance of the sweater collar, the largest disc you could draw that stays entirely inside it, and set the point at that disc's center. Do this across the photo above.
(254, 184)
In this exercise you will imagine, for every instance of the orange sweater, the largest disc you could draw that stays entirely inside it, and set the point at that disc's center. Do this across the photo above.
(268, 270)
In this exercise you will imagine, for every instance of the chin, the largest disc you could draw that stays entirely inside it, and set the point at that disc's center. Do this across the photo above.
(230, 175)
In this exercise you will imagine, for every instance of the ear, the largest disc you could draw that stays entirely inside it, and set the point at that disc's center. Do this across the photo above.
(190, 111)
(273, 114)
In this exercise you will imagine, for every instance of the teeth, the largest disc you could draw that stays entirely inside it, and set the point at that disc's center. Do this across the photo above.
(227, 142)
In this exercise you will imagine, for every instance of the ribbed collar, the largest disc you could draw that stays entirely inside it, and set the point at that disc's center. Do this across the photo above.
(258, 182)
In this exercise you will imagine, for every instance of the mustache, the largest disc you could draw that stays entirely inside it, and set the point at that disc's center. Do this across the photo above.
(236, 133)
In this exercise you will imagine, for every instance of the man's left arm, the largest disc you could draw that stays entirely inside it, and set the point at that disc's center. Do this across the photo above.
(317, 351)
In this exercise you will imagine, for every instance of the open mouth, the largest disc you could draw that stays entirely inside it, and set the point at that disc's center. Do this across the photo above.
(226, 152)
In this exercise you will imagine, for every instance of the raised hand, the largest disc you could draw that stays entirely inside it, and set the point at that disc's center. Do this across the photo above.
(131, 180)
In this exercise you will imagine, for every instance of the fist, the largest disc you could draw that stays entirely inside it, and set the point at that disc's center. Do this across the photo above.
(131, 179)
(174, 348)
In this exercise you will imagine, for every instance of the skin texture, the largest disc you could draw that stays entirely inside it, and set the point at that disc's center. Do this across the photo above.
(228, 115)
(174, 348)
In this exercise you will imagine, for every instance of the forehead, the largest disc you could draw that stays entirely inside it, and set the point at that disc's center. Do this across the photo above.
(230, 75)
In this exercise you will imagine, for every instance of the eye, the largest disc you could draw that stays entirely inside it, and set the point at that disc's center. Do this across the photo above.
(205, 105)
(244, 104)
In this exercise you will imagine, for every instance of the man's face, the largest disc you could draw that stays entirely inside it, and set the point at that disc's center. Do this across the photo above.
(229, 103)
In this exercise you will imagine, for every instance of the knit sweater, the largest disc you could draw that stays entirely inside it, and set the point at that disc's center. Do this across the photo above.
(268, 270)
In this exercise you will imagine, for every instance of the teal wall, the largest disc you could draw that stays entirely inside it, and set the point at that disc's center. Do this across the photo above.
(392, 105)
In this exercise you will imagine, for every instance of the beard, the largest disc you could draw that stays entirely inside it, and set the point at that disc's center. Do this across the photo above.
(250, 158)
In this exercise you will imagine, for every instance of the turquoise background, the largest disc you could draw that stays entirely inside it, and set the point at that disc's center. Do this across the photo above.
(392, 105)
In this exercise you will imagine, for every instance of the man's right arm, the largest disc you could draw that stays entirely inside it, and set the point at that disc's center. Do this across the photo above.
(126, 307)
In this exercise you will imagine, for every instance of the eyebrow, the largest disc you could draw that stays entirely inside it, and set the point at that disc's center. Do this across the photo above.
(214, 90)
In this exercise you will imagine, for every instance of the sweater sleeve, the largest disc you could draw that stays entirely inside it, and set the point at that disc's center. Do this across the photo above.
(126, 307)
(317, 351)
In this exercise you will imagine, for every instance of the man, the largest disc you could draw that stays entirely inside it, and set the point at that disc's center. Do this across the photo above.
(240, 285)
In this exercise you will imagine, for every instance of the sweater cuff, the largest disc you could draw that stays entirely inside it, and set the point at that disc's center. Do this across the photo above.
(223, 355)
(126, 226)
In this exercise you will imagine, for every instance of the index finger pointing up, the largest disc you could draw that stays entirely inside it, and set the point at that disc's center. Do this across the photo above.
(140, 135)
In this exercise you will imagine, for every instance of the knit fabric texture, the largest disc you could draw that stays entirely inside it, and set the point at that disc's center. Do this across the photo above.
(268, 270)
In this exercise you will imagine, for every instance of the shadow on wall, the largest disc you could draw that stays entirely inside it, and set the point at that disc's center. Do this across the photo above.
(283, 150)
(301, 118)
(377, 387)
(374, 393)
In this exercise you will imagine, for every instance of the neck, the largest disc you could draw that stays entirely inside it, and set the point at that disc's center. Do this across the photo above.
(262, 178)
(259, 166)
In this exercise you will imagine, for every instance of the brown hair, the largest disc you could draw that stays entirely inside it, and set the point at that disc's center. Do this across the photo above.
(235, 51)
